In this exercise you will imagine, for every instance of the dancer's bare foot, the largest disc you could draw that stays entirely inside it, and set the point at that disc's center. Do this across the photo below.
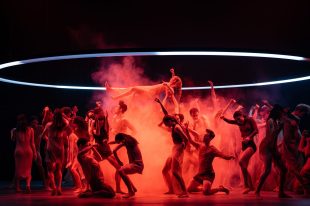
(247, 190)
(54, 192)
(18, 190)
(183, 195)
(120, 192)
(28, 190)
(169, 193)
(224, 189)
(59, 192)
(129, 195)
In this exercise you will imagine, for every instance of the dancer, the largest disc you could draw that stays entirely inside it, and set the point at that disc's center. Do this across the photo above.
(93, 173)
(80, 130)
(38, 129)
(304, 147)
(56, 134)
(291, 137)
(120, 123)
(248, 129)
(269, 151)
(198, 123)
(174, 162)
(206, 175)
(25, 152)
(150, 91)
(134, 155)
(101, 136)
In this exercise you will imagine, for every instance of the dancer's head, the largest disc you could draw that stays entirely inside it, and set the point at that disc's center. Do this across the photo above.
(169, 120)
(276, 112)
(208, 136)
(58, 120)
(194, 112)
(82, 143)
(34, 121)
(122, 107)
(79, 124)
(239, 117)
(301, 110)
(67, 112)
(22, 122)
(264, 111)
(179, 117)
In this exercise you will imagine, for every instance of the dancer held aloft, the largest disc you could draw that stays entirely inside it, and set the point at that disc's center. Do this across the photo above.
(92, 171)
(174, 162)
(25, 152)
(269, 151)
(101, 136)
(206, 174)
(249, 130)
(134, 156)
(174, 85)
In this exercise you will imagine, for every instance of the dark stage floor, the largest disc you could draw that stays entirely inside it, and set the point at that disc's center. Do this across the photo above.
(38, 197)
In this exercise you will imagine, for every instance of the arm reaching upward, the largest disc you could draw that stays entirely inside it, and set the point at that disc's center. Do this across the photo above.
(162, 106)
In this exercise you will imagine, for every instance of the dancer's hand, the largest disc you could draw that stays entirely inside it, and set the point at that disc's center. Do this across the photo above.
(211, 83)
(157, 100)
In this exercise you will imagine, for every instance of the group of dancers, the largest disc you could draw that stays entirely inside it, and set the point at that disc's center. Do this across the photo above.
(66, 140)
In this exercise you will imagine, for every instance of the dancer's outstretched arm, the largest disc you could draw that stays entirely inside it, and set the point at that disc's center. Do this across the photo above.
(162, 106)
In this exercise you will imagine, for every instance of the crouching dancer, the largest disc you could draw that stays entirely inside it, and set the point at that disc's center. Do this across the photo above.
(92, 172)
(206, 175)
(134, 156)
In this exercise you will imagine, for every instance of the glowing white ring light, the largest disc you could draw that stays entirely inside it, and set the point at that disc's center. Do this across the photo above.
(164, 53)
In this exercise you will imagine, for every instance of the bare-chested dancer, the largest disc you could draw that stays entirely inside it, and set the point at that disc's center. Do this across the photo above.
(248, 129)
(56, 134)
(206, 175)
(134, 156)
(269, 151)
(174, 162)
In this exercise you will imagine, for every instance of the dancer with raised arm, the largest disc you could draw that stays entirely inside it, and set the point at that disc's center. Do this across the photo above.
(174, 162)
(206, 174)
(248, 129)
(56, 134)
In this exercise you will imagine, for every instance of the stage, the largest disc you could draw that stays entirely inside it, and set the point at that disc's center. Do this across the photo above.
(38, 197)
